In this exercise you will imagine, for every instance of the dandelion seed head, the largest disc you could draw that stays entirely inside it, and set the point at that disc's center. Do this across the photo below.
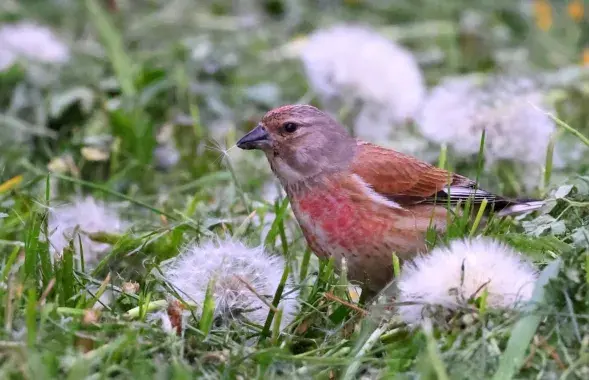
(353, 66)
(512, 112)
(86, 216)
(163, 319)
(231, 263)
(166, 156)
(450, 277)
(31, 41)
(7, 59)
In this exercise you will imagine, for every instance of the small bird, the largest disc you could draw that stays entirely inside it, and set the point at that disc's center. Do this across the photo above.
(357, 201)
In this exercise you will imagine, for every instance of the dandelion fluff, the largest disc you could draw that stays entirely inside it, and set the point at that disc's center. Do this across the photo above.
(163, 319)
(512, 113)
(353, 66)
(166, 156)
(449, 277)
(30, 41)
(231, 264)
(75, 220)
(245, 166)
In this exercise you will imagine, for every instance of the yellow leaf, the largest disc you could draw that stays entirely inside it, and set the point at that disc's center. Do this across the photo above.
(354, 292)
(11, 183)
(94, 154)
(58, 165)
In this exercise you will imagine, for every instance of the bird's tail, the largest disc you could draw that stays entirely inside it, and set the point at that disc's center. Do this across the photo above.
(519, 207)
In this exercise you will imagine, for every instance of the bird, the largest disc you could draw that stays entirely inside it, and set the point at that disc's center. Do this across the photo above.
(359, 202)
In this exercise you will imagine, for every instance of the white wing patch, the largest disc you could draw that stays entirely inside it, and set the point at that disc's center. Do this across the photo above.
(521, 208)
(374, 196)
(463, 193)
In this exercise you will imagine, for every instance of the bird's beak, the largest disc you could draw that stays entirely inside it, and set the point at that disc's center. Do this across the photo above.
(257, 138)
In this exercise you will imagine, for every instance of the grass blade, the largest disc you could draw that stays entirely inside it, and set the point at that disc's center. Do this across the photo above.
(32, 247)
(67, 275)
(443, 159)
(549, 161)
(571, 130)
(396, 266)
(524, 330)
(363, 347)
(45, 257)
(99, 292)
(113, 43)
(106, 190)
(275, 302)
(31, 317)
(208, 310)
(280, 211)
(305, 264)
(10, 262)
(478, 217)
(433, 352)
(480, 158)
(276, 327)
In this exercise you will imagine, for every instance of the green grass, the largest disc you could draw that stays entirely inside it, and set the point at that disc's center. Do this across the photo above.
(197, 68)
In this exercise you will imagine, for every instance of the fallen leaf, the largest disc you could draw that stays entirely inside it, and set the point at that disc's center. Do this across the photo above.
(11, 183)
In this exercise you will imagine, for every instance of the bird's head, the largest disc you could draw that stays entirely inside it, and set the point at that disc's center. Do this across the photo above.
(301, 142)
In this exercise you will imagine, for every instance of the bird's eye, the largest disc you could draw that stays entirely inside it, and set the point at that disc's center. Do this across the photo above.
(290, 127)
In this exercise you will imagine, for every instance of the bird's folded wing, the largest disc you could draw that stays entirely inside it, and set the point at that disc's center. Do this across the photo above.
(406, 180)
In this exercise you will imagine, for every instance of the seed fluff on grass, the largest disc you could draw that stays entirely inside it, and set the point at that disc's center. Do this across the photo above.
(74, 221)
(245, 167)
(450, 277)
(511, 111)
(166, 154)
(232, 265)
(355, 67)
(30, 41)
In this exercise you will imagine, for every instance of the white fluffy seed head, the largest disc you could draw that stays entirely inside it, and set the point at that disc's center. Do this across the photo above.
(511, 111)
(231, 264)
(163, 318)
(74, 221)
(30, 41)
(166, 156)
(350, 65)
(450, 277)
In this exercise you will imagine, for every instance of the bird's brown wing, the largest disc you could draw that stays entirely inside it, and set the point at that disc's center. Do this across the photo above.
(407, 180)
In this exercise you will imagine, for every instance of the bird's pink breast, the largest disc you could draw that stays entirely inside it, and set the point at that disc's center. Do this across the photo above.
(341, 219)
(333, 219)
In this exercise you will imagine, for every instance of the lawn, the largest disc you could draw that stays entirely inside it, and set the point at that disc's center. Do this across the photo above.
(137, 241)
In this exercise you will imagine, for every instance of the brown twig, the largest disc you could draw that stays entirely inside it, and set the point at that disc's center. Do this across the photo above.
(475, 294)
(530, 357)
(331, 297)
(551, 351)
(8, 310)
(164, 220)
(174, 311)
(46, 292)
